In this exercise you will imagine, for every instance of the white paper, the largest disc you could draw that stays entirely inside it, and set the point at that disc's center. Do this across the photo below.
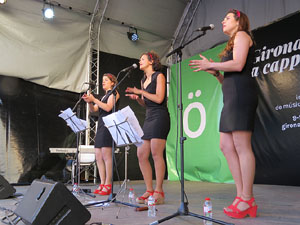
(124, 127)
(73, 121)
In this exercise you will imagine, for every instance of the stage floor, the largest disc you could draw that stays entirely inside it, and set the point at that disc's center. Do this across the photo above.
(276, 204)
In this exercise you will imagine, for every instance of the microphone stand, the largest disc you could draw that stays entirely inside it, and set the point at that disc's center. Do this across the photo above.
(183, 209)
(112, 196)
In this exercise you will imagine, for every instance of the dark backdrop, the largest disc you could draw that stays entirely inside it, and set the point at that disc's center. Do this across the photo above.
(29, 113)
(276, 136)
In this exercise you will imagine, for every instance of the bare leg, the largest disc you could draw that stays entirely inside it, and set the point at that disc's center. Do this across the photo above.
(107, 158)
(143, 153)
(230, 153)
(157, 150)
(242, 143)
(100, 164)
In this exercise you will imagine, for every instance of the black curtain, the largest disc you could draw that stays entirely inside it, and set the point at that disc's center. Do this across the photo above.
(29, 113)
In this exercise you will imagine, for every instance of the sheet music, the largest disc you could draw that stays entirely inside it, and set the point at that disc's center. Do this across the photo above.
(124, 127)
(131, 118)
(73, 121)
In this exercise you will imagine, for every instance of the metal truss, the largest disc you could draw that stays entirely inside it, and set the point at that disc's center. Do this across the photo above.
(93, 76)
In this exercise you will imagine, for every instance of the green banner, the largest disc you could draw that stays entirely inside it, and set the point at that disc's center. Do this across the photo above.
(202, 105)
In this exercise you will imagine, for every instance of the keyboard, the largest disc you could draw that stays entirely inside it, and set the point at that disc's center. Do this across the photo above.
(82, 148)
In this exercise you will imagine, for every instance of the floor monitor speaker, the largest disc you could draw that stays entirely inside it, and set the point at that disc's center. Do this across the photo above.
(47, 202)
(6, 190)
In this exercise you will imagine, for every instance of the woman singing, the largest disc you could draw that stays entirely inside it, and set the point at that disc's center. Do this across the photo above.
(103, 141)
(156, 127)
(238, 113)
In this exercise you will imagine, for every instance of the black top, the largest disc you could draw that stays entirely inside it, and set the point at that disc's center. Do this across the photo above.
(103, 137)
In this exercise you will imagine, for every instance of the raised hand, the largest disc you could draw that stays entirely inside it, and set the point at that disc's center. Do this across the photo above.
(200, 64)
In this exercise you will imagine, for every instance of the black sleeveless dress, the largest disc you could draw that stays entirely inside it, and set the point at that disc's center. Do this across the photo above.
(103, 137)
(239, 97)
(157, 121)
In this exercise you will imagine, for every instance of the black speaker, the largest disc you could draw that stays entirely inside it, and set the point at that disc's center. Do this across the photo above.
(6, 190)
(47, 202)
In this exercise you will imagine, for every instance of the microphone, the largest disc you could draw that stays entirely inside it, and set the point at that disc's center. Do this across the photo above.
(90, 83)
(133, 66)
(210, 27)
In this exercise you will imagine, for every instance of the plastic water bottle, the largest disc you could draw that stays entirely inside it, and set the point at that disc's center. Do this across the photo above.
(75, 189)
(131, 196)
(151, 206)
(207, 211)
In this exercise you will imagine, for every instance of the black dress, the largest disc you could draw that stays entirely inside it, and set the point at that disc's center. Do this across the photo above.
(103, 137)
(157, 121)
(239, 97)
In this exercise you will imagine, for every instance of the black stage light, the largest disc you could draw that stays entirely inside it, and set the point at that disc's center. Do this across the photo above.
(132, 34)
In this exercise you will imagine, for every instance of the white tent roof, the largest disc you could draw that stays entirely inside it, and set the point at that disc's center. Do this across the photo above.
(56, 53)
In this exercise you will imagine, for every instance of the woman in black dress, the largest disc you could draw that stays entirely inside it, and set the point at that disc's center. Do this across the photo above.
(103, 140)
(156, 126)
(238, 113)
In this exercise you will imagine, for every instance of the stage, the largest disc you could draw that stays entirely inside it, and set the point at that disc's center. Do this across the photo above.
(276, 204)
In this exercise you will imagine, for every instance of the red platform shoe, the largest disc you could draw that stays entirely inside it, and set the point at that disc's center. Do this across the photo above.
(99, 189)
(106, 190)
(238, 214)
(232, 205)
(141, 199)
(160, 199)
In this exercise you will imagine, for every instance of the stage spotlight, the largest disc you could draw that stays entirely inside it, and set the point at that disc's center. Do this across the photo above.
(2, 1)
(132, 34)
(48, 11)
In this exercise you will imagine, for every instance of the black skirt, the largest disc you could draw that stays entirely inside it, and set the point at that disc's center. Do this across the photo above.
(240, 103)
(156, 124)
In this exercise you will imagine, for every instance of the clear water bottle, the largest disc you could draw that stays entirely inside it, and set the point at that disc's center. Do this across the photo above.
(151, 206)
(75, 189)
(207, 211)
(131, 196)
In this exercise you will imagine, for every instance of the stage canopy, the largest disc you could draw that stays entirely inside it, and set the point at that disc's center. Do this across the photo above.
(55, 53)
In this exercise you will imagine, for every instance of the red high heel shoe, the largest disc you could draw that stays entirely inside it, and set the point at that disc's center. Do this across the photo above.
(238, 214)
(232, 205)
(160, 200)
(141, 199)
(106, 190)
(99, 189)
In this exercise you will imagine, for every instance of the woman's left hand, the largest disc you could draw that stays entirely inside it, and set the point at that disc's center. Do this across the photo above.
(133, 90)
(201, 64)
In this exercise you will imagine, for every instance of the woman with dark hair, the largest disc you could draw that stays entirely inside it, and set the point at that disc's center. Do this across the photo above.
(238, 113)
(103, 140)
(156, 126)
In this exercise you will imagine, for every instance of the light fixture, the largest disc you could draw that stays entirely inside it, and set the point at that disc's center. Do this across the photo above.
(48, 11)
(132, 34)
(2, 1)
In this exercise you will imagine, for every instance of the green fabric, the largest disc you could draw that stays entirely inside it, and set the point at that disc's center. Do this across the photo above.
(201, 92)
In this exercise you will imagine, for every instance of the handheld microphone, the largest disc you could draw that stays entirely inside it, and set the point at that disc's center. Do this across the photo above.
(133, 66)
(210, 27)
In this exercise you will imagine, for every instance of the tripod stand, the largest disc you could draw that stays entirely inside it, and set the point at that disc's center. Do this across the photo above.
(183, 208)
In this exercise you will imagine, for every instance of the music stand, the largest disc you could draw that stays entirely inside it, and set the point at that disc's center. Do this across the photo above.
(183, 208)
(77, 125)
(125, 130)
